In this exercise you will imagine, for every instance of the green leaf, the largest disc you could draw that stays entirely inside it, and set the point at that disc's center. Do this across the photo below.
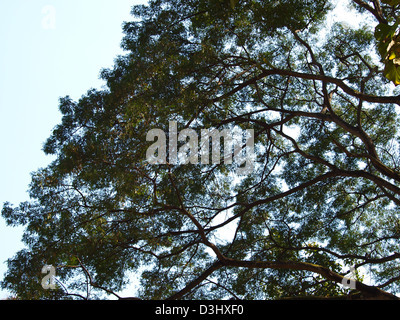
(389, 49)
(392, 72)
(391, 2)
(384, 32)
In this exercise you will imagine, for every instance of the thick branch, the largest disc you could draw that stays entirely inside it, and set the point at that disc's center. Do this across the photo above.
(368, 291)
(215, 266)
(309, 76)
(249, 206)
(376, 11)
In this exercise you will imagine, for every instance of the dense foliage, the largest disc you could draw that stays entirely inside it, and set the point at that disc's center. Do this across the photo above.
(324, 193)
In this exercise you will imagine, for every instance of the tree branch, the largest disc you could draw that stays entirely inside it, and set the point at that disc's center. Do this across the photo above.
(368, 291)
(215, 266)
(376, 11)
(309, 76)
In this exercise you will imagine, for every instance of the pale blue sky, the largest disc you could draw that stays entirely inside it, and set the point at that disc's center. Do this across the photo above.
(37, 66)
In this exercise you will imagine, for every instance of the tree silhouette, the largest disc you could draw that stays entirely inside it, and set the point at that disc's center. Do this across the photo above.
(324, 193)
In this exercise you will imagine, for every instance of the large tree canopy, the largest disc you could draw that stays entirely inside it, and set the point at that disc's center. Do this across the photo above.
(324, 192)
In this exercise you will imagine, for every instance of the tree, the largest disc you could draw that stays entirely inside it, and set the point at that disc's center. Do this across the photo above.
(323, 195)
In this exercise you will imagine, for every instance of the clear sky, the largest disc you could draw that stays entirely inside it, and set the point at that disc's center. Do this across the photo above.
(49, 49)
